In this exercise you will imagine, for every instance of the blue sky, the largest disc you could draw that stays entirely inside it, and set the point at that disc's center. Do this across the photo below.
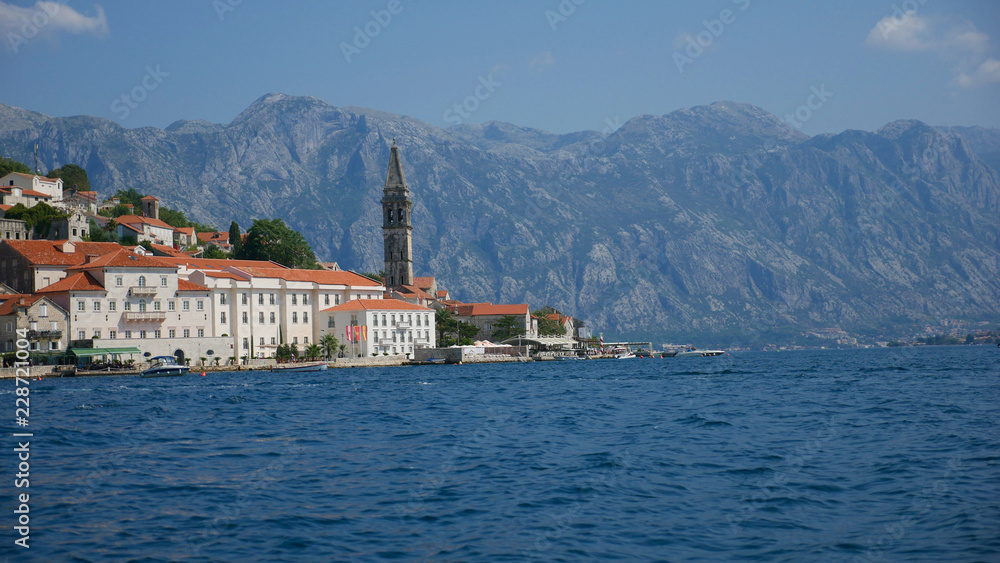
(559, 65)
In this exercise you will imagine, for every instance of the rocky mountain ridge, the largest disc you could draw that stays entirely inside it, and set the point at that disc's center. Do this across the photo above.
(716, 220)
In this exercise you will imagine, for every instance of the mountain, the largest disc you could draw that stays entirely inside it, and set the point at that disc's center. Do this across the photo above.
(718, 220)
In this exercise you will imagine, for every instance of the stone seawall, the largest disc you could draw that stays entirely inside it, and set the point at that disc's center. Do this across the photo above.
(374, 361)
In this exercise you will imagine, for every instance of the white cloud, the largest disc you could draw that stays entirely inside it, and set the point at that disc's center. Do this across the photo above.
(18, 24)
(542, 61)
(987, 73)
(956, 41)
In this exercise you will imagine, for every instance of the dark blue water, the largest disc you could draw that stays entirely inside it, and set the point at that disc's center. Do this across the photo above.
(870, 455)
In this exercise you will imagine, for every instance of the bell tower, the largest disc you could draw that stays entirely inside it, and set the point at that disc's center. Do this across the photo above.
(397, 230)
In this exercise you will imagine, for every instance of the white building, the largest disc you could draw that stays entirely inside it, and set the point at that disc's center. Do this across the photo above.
(145, 229)
(380, 326)
(50, 188)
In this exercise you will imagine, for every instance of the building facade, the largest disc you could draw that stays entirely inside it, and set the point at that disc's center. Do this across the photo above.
(380, 326)
(42, 320)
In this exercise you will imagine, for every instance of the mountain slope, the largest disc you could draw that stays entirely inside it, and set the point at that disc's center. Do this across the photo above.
(718, 219)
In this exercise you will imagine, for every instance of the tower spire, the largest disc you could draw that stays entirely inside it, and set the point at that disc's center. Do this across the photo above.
(397, 230)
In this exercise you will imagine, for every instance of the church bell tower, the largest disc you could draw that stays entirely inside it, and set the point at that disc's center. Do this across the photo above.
(397, 230)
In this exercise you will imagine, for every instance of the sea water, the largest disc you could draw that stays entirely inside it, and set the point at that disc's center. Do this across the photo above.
(855, 455)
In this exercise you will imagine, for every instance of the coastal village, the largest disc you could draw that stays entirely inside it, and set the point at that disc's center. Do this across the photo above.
(86, 303)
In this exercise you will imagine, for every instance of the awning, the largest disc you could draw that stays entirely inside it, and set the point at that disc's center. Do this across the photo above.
(91, 352)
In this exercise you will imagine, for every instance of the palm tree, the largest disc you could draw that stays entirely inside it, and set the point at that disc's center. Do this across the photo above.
(313, 351)
(329, 344)
(343, 349)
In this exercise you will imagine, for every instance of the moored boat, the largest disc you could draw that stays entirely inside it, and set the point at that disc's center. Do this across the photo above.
(692, 352)
(164, 366)
(304, 366)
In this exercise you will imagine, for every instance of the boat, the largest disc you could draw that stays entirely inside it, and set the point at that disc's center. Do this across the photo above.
(692, 352)
(164, 366)
(303, 366)
(624, 356)
(568, 358)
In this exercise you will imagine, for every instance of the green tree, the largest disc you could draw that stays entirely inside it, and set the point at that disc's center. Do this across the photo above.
(235, 238)
(969, 339)
(313, 351)
(8, 165)
(215, 253)
(343, 349)
(466, 333)
(282, 354)
(274, 240)
(106, 234)
(38, 218)
(330, 344)
(507, 327)
(547, 326)
(379, 277)
(71, 175)
(445, 324)
(147, 245)
(130, 196)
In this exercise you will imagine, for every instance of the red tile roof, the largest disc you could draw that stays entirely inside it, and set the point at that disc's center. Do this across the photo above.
(219, 263)
(5, 207)
(150, 198)
(189, 231)
(133, 219)
(217, 236)
(413, 290)
(35, 193)
(423, 283)
(185, 285)
(327, 277)
(49, 253)
(80, 281)
(123, 259)
(169, 250)
(9, 303)
(489, 309)
(375, 305)
(45, 178)
(224, 275)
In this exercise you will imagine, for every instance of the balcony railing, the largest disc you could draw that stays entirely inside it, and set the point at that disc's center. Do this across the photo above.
(142, 290)
(402, 324)
(140, 316)
(35, 334)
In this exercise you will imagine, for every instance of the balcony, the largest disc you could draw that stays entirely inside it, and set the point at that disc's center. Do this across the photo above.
(37, 334)
(402, 325)
(142, 291)
(386, 342)
(144, 316)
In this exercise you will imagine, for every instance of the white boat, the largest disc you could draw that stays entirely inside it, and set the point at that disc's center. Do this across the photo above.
(624, 356)
(164, 366)
(691, 352)
(297, 367)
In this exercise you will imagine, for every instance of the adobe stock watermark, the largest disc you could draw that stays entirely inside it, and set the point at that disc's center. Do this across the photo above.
(462, 111)
(898, 16)
(364, 35)
(223, 7)
(124, 104)
(32, 26)
(816, 100)
(695, 45)
(562, 13)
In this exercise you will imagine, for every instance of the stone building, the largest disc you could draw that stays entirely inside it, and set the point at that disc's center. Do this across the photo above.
(44, 321)
(397, 228)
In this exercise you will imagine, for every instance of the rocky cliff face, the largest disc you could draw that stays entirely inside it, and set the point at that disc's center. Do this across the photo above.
(711, 220)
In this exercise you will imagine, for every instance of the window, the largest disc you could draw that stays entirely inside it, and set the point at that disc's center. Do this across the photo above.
(305, 298)
(295, 299)
(272, 299)
(111, 305)
(142, 281)
(246, 343)
(118, 281)
(186, 333)
(171, 306)
(409, 319)
(261, 340)
(142, 305)
(409, 337)
(260, 317)
(273, 340)
(142, 334)
(383, 320)
(295, 340)
(418, 320)
(305, 317)
(128, 334)
(330, 323)
(156, 305)
(246, 317)
(156, 334)
(260, 301)
(244, 298)
(81, 306)
(53, 345)
(295, 317)
(172, 333)
(392, 318)
(126, 306)
(326, 299)
(201, 333)
(163, 283)
(223, 318)
(44, 310)
(200, 305)
(272, 317)
(186, 305)
(222, 299)
(305, 340)
(97, 333)
(34, 325)
(97, 306)
(336, 300)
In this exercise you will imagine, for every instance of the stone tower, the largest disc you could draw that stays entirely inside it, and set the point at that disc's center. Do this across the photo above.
(397, 230)
(151, 207)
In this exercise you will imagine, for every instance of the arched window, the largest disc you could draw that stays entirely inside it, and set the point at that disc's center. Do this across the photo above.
(142, 302)
(142, 281)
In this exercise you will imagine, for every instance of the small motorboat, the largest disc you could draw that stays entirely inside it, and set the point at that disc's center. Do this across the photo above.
(692, 352)
(303, 366)
(164, 366)
(624, 356)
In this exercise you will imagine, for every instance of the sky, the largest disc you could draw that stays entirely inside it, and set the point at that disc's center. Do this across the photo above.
(556, 65)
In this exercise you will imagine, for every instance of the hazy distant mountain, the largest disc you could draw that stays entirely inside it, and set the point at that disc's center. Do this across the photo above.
(717, 219)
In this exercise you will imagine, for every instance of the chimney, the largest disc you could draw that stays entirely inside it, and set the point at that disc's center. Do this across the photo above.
(90, 258)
